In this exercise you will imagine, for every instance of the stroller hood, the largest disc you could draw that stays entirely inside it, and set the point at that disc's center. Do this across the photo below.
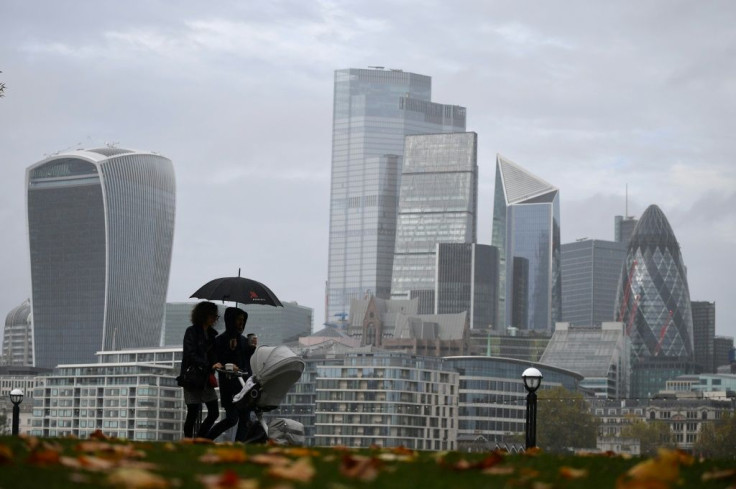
(276, 369)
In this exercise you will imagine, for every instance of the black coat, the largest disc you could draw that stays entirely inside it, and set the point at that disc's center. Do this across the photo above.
(238, 352)
(199, 348)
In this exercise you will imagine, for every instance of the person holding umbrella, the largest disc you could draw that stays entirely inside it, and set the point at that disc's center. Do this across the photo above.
(233, 351)
(199, 351)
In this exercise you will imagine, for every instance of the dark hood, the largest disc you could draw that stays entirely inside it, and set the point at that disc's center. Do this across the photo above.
(231, 313)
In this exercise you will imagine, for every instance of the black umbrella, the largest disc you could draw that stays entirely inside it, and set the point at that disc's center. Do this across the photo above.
(237, 289)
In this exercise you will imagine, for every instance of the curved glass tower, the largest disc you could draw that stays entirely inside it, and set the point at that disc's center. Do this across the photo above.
(653, 302)
(17, 340)
(100, 226)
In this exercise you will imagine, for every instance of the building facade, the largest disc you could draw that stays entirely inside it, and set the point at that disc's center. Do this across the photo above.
(374, 109)
(438, 203)
(526, 231)
(17, 340)
(467, 280)
(623, 228)
(723, 351)
(129, 394)
(653, 302)
(100, 225)
(704, 333)
(590, 273)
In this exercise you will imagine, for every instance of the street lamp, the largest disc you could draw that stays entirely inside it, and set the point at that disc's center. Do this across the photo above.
(16, 397)
(532, 380)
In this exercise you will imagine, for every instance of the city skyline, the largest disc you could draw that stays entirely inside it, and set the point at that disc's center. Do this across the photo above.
(240, 97)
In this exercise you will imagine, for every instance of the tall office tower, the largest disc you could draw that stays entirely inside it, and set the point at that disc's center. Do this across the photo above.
(723, 352)
(704, 332)
(467, 280)
(623, 228)
(374, 109)
(438, 203)
(101, 227)
(526, 231)
(590, 272)
(17, 340)
(653, 301)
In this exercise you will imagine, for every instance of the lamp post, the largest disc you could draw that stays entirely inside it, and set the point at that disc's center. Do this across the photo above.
(532, 380)
(16, 397)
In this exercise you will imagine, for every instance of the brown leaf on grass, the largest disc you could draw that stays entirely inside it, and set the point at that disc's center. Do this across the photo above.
(6, 454)
(224, 456)
(270, 459)
(541, 485)
(196, 441)
(402, 450)
(301, 471)
(30, 441)
(718, 475)
(533, 451)
(655, 473)
(44, 456)
(360, 467)
(137, 479)
(110, 450)
(573, 473)
(494, 458)
(505, 470)
(227, 480)
(676, 456)
(98, 435)
(93, 464)
(294, 451)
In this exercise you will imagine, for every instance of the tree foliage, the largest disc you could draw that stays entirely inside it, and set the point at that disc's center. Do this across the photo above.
(717, 439)
(652, 435)
(564, 420)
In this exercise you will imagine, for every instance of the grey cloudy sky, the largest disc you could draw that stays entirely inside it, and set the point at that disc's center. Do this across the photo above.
(587, 95)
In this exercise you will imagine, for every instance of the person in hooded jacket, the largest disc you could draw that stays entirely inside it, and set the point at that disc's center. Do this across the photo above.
(231, 347)
(199, 349)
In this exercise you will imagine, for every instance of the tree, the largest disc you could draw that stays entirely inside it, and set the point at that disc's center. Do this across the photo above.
(564, 420)
(717, 439)
(652, 435)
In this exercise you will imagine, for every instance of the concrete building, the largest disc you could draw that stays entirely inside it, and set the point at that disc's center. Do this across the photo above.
(526, 231)
(374, 109)
(438, 203)
(590, 273)
(101, 227)
(17, 338)
(26, 379)
(723, 351)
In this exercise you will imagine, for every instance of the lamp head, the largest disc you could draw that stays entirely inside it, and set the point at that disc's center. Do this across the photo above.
(16, 396)
(532, 379)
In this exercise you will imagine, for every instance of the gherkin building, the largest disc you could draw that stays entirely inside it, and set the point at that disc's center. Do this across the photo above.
(653, 302)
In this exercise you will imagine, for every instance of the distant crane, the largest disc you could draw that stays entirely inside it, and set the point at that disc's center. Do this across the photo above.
(662, 332)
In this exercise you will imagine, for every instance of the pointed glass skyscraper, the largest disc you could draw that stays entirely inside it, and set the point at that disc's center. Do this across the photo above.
(374, 109)
(526, 231)
(653, 302)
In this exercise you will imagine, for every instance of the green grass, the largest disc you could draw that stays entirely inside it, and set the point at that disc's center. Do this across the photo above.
(179, 466)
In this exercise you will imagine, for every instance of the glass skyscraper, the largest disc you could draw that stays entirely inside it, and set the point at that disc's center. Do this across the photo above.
(590, 274)
(526, 231)
(653, 301)
(438, 203)
(374, 109)
(101, 226)
(704, 332)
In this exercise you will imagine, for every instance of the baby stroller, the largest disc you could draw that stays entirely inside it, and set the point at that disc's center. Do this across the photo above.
(274, 370)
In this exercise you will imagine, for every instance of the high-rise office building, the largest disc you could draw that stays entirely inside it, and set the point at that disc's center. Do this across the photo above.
(101, 226)
(653, 302)
(374, 109)
(438, 203)
(590, 273)
(467, 280)
(723, 352)
(623, 228)
(17, 339)
(526, 231)
(704, 333)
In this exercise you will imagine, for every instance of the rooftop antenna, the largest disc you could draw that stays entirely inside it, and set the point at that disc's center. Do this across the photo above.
(627, 201)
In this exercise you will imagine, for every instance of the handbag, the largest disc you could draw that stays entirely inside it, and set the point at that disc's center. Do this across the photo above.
(193, 378)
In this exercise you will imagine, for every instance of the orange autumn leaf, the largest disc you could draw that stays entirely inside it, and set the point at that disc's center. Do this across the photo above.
(718, 475)
(44, 456)
(6, 454)
(224, 456)
(301, 471)
(360, 467)
(227, 480)
(137, 479)
(573, 473)
(271, 459)
(402, 450)
(533, 451)
(498, 470)
(655, 469)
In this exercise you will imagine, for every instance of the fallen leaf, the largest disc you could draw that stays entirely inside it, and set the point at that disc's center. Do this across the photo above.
(301, 470)
(227, 480)
(498, 470)
(137, 479)
(196, 441)
(541, 485)
(6, 454)
(224, 456)
(533, 451)
(98, 435)
(573, 473)
(718, 475)
(44, 456)
(360, 467)
(271, 459)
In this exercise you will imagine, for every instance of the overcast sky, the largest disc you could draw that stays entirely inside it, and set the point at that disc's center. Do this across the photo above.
(589, 96)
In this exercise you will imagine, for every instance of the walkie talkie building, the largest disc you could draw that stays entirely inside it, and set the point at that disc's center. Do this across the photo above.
(100, 226)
